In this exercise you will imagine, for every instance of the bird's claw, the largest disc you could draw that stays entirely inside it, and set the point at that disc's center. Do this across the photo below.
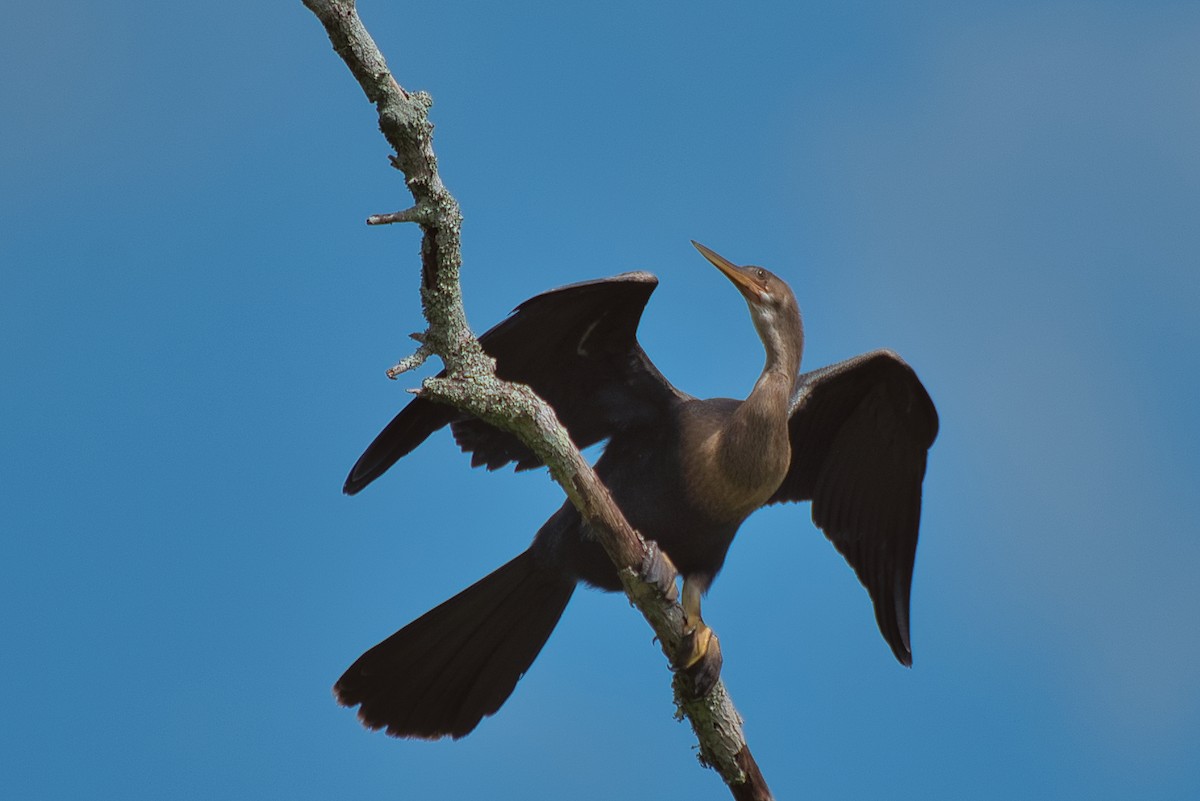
(699, 658)
(658, 569)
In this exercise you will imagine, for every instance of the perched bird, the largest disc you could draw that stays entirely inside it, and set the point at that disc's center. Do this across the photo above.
(852, 438)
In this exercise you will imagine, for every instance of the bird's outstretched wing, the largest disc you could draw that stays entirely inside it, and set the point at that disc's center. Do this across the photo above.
(577, 347)
(860, 431)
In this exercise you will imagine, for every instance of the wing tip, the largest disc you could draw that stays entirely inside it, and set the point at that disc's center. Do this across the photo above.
(355, 483)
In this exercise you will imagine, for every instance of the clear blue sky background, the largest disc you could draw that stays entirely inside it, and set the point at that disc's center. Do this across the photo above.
(195, 324)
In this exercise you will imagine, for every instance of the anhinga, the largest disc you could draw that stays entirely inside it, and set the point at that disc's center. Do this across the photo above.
(852, 438)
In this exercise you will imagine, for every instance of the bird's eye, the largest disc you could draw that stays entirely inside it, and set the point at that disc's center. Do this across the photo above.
(760, 274)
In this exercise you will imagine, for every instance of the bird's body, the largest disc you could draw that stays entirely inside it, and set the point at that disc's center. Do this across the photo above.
(653, 475)
(685, 472)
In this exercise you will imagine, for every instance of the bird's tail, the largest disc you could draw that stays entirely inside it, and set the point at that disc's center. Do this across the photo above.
(442, 673)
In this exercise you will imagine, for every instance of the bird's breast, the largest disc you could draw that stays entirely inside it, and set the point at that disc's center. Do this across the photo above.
(729, 472)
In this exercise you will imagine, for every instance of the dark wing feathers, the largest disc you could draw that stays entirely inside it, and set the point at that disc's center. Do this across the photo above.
(576, 346)
(406, 431)
(860, 431)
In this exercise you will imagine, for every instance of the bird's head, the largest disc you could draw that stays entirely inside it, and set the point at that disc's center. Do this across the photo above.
(772, 303)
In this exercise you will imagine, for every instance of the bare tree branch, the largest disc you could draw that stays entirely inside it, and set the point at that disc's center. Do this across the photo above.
(470, 385)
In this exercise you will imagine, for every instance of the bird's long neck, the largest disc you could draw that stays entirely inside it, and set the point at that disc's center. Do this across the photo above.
(754, 447)
(783, 341)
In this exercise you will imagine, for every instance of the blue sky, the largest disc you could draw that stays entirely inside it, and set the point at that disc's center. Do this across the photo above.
(196, 323)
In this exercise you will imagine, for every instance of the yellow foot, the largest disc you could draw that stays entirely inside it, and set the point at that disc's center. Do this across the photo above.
(694, 646)
(699, 658)
(699, 654)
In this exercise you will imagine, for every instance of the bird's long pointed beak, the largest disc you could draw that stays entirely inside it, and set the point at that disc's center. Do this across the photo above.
(740, 276)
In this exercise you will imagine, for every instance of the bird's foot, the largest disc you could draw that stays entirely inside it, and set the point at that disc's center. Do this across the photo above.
(658, 569)
(699, 658)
